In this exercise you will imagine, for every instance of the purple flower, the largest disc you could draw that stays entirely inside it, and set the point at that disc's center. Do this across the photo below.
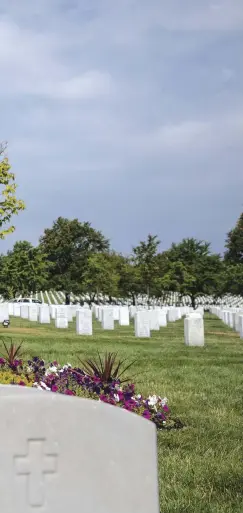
(147, 414)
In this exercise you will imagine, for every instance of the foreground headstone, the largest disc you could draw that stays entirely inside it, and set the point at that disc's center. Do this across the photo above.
(142, 324)
(84, 322)
(70, 454)
(194, 330)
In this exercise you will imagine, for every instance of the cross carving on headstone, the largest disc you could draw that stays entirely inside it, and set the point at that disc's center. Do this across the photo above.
(35, 464)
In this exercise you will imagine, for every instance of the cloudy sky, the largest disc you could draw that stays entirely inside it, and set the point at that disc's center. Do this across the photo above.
(126, 114)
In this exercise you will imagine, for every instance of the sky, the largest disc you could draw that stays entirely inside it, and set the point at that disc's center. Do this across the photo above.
(125, 114)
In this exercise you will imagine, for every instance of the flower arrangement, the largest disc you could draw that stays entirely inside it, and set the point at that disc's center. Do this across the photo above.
(102, 381)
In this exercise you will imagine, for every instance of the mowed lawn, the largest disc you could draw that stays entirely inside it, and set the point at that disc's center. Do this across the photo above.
(200, 466)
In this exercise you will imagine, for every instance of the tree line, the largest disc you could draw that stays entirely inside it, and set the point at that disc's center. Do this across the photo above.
(72, 256)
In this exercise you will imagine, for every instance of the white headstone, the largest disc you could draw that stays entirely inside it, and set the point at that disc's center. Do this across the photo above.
(61, 320)
(162, 318)
(194, 330)
(4, 312)
(24, 311)
(123, 316)
(44, 314)
(241, 326)
(84, 322)
(72, 454)
(107, 319)
(154, 320)
(116, 313)
(33, 312)
(16, 309)
(142, 324)
(171, 315)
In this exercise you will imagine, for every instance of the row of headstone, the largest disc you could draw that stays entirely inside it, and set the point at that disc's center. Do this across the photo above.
(232, 317)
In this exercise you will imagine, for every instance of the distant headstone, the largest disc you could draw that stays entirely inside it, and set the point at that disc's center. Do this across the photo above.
(53, 311)
(124, 316)
(24, 311)
(162, 318)
(44, 314)
(41, 459)
(154, 320)
(116, 313)
(142, 324)
(16, 310)
(4, 312)
(241, 326)
(107, 319)
(61, 320)
(171, 315)
(33, 312)
(194, 330)
(84, 322)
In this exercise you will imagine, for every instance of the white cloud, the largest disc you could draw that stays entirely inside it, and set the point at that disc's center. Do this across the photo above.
(30, 66)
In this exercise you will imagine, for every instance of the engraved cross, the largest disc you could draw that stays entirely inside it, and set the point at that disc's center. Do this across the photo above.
(35, 464)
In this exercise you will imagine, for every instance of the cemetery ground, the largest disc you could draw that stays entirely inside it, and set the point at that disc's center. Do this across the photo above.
(200, 466)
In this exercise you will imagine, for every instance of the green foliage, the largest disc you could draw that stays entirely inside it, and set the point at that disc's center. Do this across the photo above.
(24, 269)
(234, 243)
(108, 369)
(68, 245)
(101, 276)
(144, 258)
(11, 352)
(192, 269)
(9, 205)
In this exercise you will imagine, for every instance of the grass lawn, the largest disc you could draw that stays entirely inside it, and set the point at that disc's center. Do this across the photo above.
(200, 466)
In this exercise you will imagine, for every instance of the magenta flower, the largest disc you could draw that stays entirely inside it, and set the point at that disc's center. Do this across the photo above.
(54, 388)
(69, 392)
(22, 384)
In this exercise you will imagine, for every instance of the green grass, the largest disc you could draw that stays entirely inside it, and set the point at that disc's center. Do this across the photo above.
(200, 466)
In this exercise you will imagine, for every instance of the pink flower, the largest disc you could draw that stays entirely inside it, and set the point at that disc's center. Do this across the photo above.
(69, 392)
(54, 388)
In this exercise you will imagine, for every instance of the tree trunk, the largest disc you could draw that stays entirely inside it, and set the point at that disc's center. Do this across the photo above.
(193, 300)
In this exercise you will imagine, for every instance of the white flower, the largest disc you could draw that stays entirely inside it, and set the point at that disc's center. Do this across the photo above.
(138, 396)
(51, 370)
(152, 400)
(163, 401)
(43, 385)
(116, 397)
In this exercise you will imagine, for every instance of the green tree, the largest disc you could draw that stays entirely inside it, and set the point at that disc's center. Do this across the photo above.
(234, 243)
(192, 269)
(231, 279)
(23, 270)
(101, 276)
(144, 258)
(68, 246)
(129, 278)
(9, 204)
